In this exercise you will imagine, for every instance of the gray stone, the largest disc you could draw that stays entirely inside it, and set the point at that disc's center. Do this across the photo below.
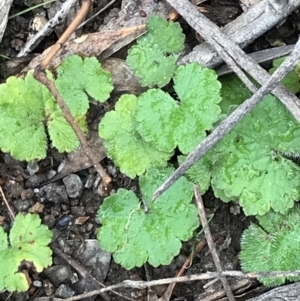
(55, 193)
(58, 274)
(64, 291)
(73, 185)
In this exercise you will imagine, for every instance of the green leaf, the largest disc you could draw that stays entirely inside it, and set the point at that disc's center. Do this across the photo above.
(199, 91)
(151, 65)
(136, 236)
(291, 81)
(158, 117)
(28, 242)
(78, 78)
(250, 167)
(233, 92)
(123, 143)
(167, 35)
(273, 246)
(154, 57)
(22, 133)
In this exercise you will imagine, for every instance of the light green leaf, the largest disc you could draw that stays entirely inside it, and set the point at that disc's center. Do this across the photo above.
(136, 236)
(22, 133)
(251, 169)
(78, 78)
(167, 35)
(199, 92)
(151, 65)
(123, 143)
(158, 117)
(28, 242)
(272, 247)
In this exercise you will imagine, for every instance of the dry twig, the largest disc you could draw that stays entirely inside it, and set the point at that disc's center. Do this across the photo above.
(6, 203)
(210, 242)
(47, 28)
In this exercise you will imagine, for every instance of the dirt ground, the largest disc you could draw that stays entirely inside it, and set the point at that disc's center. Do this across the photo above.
(69, 208)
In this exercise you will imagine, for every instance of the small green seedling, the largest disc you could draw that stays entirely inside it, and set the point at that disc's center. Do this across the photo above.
(137, 231)
(274, 245)
(28, 243)
(27, 108)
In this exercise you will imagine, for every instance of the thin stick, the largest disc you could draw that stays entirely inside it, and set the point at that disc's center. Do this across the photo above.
(85, 7)
(167, 294)
(40, 75)
(83, 271)
(210, 242)
(97, 13)
(6, 203)
(197, 277)
(47, 28)
(225, 126)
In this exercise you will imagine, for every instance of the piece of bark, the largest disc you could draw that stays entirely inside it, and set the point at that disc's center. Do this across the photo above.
(244, 29)
(4, 10)
(288, 292)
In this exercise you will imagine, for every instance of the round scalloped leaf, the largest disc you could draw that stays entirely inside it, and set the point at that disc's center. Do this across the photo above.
(28, 242)
(22, 133)
(78, 77)
(158, 116)
(199, 91)
(167, 35)
(272, 247)
(252, 167)
(291, 80)
(151, 65)
(123, 143)
(136, 236)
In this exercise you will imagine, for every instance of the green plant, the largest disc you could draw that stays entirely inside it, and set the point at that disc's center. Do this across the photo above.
(26, 106)
(273, 245)
(154, 57)
(137, 231)
(143, 131)
(28, 243)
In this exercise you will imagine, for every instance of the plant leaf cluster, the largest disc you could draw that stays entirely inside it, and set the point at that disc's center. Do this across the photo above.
(273, 245)
(154, 57)
(143, 131)
(137, 231)
(27, 108)
(28, 242)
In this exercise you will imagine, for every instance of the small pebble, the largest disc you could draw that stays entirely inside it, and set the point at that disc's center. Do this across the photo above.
(63, 222)
(55, 193)
(73, 185)
(58, 274)
(64, 291)
(32, 167)
(49, 220)
(21, 205)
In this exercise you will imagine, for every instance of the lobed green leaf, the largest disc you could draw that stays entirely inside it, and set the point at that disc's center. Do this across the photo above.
(28, 242)
(251, 169)
(272, 246)
(123, 143)
(77, 78)
(199, 91)
(154, 235)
